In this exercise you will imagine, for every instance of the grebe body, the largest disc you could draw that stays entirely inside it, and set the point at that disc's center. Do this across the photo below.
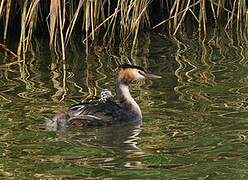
(105, 111)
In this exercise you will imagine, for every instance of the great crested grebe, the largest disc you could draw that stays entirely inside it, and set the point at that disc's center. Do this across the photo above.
(104, 111)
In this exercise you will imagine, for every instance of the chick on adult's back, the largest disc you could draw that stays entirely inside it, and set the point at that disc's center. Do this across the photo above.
(105, 111)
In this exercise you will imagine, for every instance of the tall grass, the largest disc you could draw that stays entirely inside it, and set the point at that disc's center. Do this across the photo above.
(113, 22)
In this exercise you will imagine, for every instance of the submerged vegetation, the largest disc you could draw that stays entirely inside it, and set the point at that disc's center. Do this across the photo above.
(113, 22)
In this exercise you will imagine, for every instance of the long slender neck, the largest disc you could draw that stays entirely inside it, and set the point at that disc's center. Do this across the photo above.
(126, 100)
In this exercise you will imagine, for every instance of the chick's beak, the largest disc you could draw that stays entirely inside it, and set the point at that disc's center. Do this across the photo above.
(152, 76)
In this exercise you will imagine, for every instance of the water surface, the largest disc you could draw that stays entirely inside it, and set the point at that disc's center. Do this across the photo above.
(195, 117)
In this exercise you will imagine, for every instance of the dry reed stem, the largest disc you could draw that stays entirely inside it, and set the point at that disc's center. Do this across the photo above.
(61, 27)
(7, 19)
(246, 20)
(53, 21)
(92, 19)
(113, 19)
(137, 22)
(213, 10)
(87, 24)
(202, 17)
(30, 22)
(72, 22)
(172, 17)
(2, 46)
(230, 20)
(193, 14)
(103, 23)
(182, 18)
(176, 13)
(1, 7)
(57, 22)
(22, 34)
(219, 7)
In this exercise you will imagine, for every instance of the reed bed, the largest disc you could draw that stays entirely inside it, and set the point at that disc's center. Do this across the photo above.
(114, 22)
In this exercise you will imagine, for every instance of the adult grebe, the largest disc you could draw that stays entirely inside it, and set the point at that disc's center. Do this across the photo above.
(104, 111)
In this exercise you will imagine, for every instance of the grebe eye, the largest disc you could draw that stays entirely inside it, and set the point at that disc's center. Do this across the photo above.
(142, 73)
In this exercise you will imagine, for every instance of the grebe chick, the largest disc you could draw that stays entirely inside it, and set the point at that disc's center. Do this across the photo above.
(105, 95)
(105, 111)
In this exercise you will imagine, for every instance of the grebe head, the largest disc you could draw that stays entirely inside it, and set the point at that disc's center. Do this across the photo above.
(128, 73)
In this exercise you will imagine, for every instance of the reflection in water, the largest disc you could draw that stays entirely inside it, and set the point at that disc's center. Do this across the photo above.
(122, 135)
(60, 93)
(195, 118)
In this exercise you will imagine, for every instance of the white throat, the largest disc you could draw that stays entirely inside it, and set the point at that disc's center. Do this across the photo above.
(127, 100)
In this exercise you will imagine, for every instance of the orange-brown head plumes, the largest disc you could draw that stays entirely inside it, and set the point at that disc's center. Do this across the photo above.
(128, 73)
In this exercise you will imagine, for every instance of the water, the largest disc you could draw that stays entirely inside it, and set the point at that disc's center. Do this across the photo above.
(195, 117)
